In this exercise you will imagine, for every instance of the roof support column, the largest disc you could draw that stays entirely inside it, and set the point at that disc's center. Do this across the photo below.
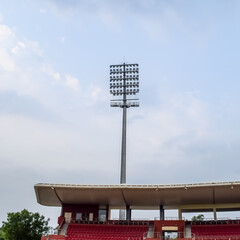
(179, 214)
(161, 212)
(215, 214)
(128, 215)
(109, 213)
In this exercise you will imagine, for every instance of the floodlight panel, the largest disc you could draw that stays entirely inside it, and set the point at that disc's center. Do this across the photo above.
(124, 79)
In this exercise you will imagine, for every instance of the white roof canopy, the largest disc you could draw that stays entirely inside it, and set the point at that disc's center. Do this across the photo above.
(137, 196)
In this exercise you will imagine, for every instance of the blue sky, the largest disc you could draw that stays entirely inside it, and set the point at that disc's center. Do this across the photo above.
(55, 121)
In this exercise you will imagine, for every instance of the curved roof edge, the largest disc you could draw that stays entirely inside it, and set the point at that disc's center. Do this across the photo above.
(49, 194)
(179, 185)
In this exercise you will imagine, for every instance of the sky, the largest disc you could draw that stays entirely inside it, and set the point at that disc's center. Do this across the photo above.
(56, 123)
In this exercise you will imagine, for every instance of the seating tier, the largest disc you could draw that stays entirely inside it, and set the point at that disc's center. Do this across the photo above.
(213, 232)
(105, 232)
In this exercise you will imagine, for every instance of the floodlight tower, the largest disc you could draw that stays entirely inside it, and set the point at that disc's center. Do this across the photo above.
(124, 81)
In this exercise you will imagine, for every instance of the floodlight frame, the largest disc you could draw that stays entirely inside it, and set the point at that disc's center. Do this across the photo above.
(124, 81)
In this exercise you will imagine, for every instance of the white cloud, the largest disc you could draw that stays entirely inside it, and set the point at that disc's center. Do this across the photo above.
(17, 48)
(95, 93)
(6, 61)
(18, 63)
(34, 48)
(7, 36)
(72, 82)
(46, 68)
(25, 70)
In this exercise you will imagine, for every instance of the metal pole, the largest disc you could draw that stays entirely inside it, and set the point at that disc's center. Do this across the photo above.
(124, 132)
(124, 76)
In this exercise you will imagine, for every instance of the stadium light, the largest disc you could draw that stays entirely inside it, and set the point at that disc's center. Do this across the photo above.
(124, 82)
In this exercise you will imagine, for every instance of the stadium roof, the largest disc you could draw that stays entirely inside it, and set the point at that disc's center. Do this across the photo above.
(139, 195)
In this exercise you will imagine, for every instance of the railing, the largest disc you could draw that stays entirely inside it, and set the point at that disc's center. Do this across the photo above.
(120, 104)
(114, 222)
(216, 222)
(169, 218)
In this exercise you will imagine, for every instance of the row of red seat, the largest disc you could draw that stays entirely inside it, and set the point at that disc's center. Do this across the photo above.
(215, 232)
(105, 232)
(106, 229)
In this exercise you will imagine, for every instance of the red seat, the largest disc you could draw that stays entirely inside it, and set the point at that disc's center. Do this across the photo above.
(105, 232)
(218, 231)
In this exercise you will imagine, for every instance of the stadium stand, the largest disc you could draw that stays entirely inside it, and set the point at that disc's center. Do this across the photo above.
(86, 211)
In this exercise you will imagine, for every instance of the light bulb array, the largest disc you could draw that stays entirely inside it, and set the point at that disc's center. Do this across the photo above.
(124, 79)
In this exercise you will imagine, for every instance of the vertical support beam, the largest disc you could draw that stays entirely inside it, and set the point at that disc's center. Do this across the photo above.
(123, 155)
(109, 213)
(180, 214)
(215, 214)
(128, 209)
(122, 214)
(162, 217)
